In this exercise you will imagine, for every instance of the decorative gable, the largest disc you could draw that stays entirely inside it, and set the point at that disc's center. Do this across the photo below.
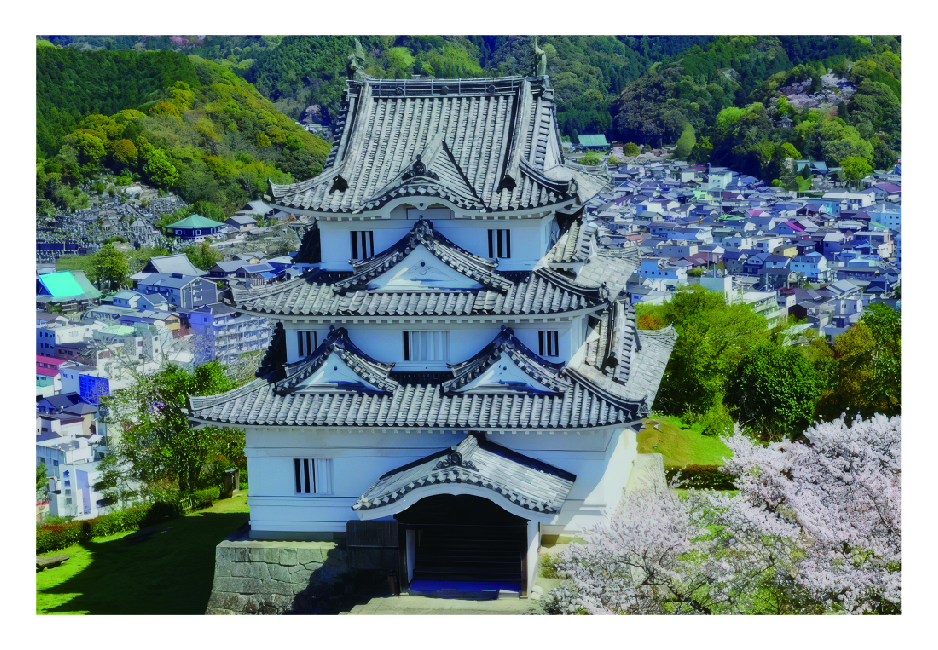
(334, 373)
(338, 365)
(504, 375)
(506, 365)
(420, 270)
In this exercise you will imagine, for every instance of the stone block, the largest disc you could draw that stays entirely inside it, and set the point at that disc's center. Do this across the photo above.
(239, 554)
(301, 577)
(306, 555)
(278, 572)
(313, 566)
(273, 587)
(222, 567)
(236, 585)
(288, 557)
(250, 570)
(272, 555)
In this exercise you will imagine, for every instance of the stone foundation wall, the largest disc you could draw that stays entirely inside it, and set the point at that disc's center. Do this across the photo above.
(264, 577)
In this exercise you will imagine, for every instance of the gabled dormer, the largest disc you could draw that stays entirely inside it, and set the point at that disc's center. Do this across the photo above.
(338, 365)
(506, 365)
(424, 260)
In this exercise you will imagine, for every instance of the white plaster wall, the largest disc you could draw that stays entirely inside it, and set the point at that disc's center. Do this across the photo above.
(529, 238)
(601, 461)
(386, 342)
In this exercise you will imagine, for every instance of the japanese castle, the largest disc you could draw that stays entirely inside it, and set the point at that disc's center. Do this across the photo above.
(462, 359)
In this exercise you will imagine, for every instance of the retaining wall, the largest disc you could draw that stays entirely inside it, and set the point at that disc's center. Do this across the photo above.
(267, 577)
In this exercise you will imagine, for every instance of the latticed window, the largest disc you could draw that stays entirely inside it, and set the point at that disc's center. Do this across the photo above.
(312, 475)
(363, 244)
(425, 346)
(548, 343)
(306, 342)
(500, 243)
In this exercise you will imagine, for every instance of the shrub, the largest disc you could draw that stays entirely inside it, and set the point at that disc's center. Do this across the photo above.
(702, 477)
(549, 567)
(168, 505)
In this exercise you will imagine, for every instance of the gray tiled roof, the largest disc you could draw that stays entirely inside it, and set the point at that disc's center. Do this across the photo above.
(611, 267)
(578, 401)
(538, 292)
(483, 144)
(178, 263)
(624, 360)
(527, 482)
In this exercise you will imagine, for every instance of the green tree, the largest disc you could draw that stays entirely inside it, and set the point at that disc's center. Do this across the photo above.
(712, 338)
(157, 444)
(854, 169)
(400, 61)
(774, 390)
(203, 256)
(160, 169)
(110, 268)
(591, 158)
(631, 149)
(702, 150)
(42, 477)
(685, 143)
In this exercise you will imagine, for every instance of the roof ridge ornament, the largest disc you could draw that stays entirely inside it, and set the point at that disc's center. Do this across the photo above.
(419, 169)
(455, 459)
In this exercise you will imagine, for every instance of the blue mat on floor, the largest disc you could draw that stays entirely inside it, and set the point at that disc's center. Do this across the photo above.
(460, 585)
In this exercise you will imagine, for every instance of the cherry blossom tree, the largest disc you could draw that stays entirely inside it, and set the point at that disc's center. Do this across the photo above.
(814, 528)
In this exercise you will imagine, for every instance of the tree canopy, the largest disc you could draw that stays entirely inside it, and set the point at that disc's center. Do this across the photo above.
(155, 445)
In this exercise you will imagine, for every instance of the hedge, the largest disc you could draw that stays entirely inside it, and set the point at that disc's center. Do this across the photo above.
(703, 476)
(51, 538)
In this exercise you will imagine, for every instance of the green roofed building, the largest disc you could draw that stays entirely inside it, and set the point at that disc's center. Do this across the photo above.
(195, 227)
(594, 141)
(71, 290)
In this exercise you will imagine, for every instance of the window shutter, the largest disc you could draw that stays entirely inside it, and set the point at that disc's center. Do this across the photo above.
(354, 245)
(406, 346)
(323, 469)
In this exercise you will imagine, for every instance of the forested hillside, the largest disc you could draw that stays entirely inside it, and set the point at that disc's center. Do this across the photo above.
(182, 123)
(221, 108)
(725, 103)
(299, 71)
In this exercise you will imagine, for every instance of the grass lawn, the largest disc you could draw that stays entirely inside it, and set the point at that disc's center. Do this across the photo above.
(168, 573)
(680, 446)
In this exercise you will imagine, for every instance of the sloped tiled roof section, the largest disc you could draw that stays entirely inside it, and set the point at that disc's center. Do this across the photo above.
(623, 359)
(538, 292)
(479, 269)
(524, 481)
(574, 402)
(482, 144)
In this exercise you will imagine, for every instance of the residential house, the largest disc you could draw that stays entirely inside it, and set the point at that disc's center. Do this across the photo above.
(812, 266)
(224, 334)
(181, 291)
(241, 222)
(69, 290)
(195, 228)
(168, 264)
